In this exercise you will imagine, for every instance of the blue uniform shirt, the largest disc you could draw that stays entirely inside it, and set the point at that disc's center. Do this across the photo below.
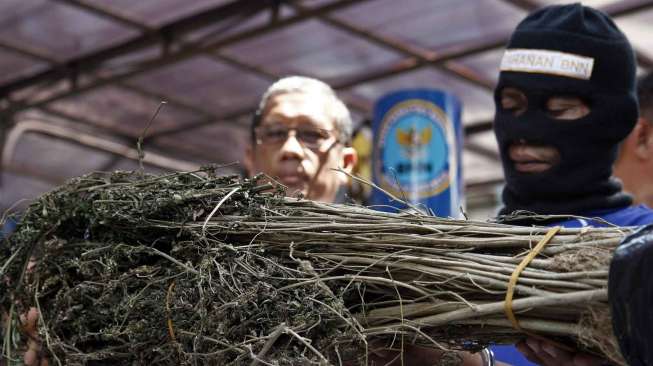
(628, 216)
(625, 216)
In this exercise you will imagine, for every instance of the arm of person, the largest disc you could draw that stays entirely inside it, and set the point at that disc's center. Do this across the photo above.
(34, 353)
(418, 356)
(546, 354)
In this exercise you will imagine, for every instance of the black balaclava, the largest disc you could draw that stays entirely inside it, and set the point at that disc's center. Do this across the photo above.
(581, 181)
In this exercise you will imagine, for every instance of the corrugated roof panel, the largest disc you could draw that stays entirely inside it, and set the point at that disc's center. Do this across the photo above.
(220, 142)
(15, 65)
(435, 24)
(123, 110)
(315, 3)
(59, 30)
(638, 28)
(327, 53)
(18, 190)
(592, 3)
(157, 12)
(57, 158)
(238, 24)
(207, 83)
(485, 63)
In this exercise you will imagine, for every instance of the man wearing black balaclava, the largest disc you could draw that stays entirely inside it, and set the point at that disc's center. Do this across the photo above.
(565, 99)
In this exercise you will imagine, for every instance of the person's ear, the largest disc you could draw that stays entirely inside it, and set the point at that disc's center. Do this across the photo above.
(643, 133)
(348, 162)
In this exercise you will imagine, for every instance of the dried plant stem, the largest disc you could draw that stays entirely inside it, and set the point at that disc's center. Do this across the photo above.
(519, 304)
(272, 338)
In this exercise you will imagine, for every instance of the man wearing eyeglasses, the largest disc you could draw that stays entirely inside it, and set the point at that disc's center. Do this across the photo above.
(300, 134)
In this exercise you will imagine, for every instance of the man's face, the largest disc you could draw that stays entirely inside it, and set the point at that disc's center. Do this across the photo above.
(530, 157)
(297, 143)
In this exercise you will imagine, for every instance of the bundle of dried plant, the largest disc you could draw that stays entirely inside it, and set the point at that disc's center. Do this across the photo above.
(190, 268)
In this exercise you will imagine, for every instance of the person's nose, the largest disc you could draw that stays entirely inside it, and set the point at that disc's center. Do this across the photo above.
(292, 148)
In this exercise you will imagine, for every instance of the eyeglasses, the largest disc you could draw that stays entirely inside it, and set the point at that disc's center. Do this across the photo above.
(310, 137)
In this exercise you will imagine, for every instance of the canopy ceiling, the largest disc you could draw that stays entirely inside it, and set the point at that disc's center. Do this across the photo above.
(82, 78)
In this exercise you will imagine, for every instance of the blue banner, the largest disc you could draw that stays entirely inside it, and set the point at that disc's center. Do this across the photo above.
(417, 152)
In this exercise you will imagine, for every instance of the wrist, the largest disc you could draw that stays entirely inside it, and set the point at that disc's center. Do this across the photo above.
(487, 357)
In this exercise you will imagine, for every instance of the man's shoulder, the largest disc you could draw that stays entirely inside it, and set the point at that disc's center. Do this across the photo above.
(631, 216)
(622, 216)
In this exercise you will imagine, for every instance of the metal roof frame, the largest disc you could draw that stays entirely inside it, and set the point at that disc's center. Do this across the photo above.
(85, 73)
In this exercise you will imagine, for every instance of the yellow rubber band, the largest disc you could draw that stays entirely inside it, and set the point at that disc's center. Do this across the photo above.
(518, 270)
(513, 282)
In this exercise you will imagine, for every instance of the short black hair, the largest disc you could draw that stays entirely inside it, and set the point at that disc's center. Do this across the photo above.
(645, 96)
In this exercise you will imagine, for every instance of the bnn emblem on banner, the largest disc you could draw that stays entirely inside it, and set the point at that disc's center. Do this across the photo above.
(417, 150)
